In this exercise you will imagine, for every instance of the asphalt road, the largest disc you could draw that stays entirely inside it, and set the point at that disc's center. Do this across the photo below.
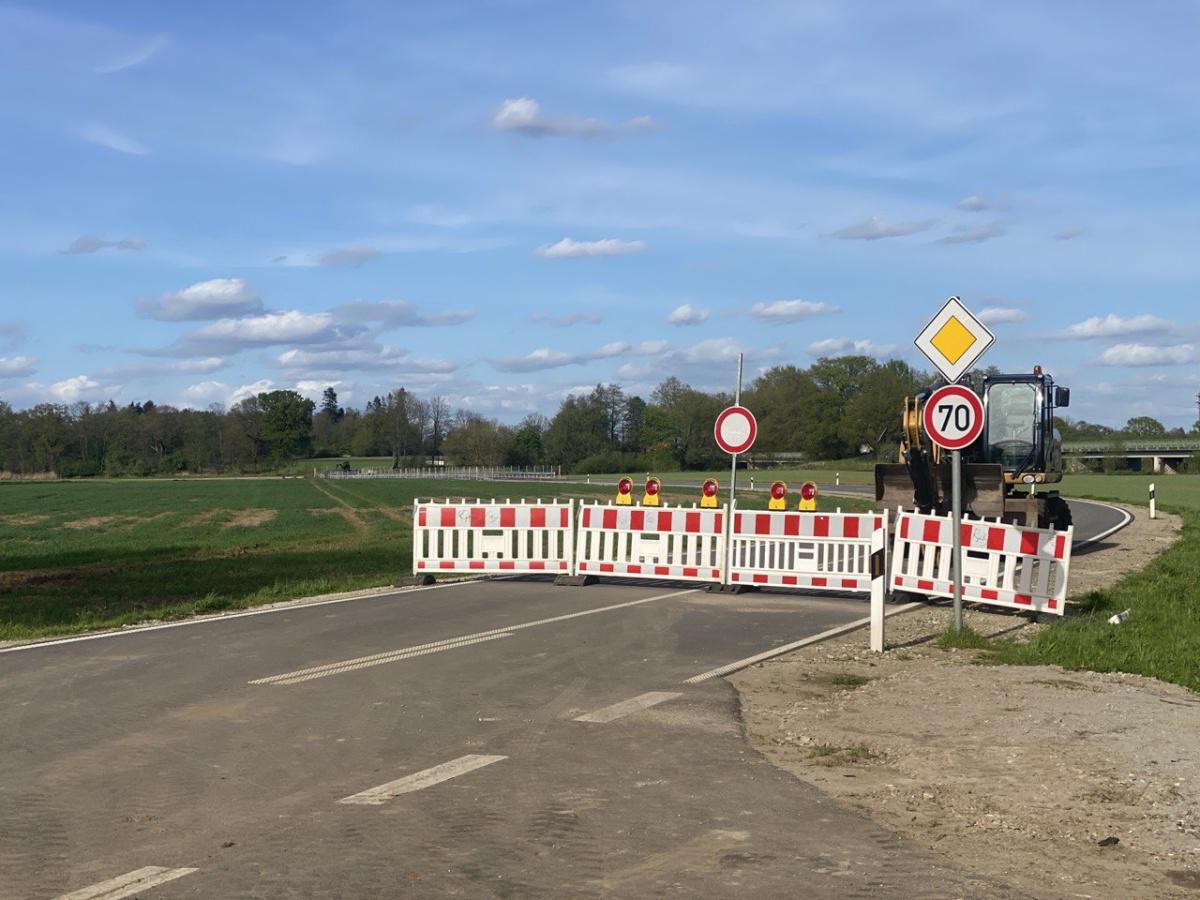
(224, 746)
(252, 750)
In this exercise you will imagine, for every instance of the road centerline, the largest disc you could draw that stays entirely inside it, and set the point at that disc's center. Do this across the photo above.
(349, 665)
(626, 707)
(418, 781)
(128, 885)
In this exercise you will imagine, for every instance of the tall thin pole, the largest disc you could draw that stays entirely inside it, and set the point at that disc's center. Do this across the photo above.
(737, 401)
(956, 548)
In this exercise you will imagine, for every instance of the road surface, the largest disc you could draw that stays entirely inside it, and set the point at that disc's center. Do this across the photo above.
(497, 738)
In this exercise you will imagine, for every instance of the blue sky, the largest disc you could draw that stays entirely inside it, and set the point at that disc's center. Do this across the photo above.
(506, 202)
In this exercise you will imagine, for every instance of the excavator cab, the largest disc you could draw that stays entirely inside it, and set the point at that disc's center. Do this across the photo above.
(1018, 451)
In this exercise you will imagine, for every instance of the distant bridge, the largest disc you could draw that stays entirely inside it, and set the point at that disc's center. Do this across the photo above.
(1166, 453)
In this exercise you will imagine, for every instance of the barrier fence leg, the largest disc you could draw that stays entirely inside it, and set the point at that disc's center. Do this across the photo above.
(878, 585)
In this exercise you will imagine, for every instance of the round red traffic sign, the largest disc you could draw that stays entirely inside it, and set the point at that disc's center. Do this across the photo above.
(735, 429)
(953, 416)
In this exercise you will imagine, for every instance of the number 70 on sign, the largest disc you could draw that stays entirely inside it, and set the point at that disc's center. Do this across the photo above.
(953, 416)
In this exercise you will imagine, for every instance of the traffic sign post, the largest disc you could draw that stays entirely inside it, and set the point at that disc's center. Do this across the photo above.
(735, 431)
(953, 419)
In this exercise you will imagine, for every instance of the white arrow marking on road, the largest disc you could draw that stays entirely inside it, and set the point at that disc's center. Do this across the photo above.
(625, 707)
(128, 884)
(377, 796)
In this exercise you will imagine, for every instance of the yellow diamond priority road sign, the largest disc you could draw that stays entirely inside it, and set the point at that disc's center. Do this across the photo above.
(954, 340)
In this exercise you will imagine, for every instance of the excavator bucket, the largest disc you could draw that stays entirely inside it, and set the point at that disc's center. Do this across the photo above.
(983, 488)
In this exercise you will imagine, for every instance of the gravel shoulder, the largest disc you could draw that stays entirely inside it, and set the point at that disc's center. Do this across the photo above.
(1027, 774)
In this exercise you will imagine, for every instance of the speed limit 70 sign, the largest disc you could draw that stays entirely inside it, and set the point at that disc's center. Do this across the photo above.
(953, 416)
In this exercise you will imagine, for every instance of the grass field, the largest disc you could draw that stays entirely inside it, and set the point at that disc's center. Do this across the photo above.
(1161, 637)
(77, 555)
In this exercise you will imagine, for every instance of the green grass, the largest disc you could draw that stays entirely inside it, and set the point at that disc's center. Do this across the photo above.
(967, 639)
(832, 755)
(848, 681)
(1161, 637)
(79, 555)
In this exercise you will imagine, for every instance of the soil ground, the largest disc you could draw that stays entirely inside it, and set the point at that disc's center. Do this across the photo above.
(1027, 774)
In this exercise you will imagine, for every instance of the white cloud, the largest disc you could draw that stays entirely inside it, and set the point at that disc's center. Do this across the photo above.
(569, 247)
(106, 137)
(964, 234)
(841, 346)
(398, 313)
(206, 392)
(270, 328)
(999, 315)
(251, 390)
(567, 320)
(352, 257)
(650, 348)
(874, 228)
(686, 314)
(374, 357)
(89, 243)
(1113, 325)
(791, 310)
(16, 366)
(1069, 233)
(974, 203)
(217, 298)
(135, 57)
(524, 116)
(71, 389)
(1146, 355)
(552, 358)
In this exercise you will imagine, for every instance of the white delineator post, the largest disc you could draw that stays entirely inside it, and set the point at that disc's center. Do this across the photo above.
(1152, 499)
(878, 585)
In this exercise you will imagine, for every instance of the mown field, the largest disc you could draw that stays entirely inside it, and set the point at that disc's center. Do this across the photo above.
(77, 555)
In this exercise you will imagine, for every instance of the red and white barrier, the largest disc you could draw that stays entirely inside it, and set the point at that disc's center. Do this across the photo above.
(492, 536)
(804, 549)
(1003, 565)
(679, 543)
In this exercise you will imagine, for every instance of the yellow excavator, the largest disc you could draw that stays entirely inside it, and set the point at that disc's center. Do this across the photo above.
(1004, 472)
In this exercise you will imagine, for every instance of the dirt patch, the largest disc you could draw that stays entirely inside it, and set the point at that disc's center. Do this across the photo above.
(23, 519)
(91, 522)
(203, 518)
(1025, 773)
(1129, 550)
(23, 578)
(250, 518)
(349, 514)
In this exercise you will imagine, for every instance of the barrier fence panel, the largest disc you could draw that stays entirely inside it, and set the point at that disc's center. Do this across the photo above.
(679, 543)
(1003, 565)
(492, 535)
(803, 549)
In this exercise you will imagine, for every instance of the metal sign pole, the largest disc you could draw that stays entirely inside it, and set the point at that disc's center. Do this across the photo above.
(737, 401)
(956, 549)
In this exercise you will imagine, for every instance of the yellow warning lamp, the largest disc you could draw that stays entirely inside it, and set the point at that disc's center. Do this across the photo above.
(778, 495)
(653, 491)
(808, 497)
(708, 493)
(625, 492)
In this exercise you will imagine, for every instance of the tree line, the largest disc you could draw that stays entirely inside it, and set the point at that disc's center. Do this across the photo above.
(834, 409)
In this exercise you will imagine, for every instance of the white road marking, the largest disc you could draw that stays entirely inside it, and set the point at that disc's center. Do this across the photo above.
(378, 659)
(128, 885)
(1128, 517)
(377, 796)
(286, 606)
(732, 667)
(450, 643)
(625, 707)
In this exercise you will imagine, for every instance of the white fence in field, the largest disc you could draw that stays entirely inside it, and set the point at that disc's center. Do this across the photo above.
(452, 473)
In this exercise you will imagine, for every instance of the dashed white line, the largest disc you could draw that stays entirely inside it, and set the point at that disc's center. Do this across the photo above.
(378, 659)
(625, 707)
(350, 665)
(377, 796)
(127, 885)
